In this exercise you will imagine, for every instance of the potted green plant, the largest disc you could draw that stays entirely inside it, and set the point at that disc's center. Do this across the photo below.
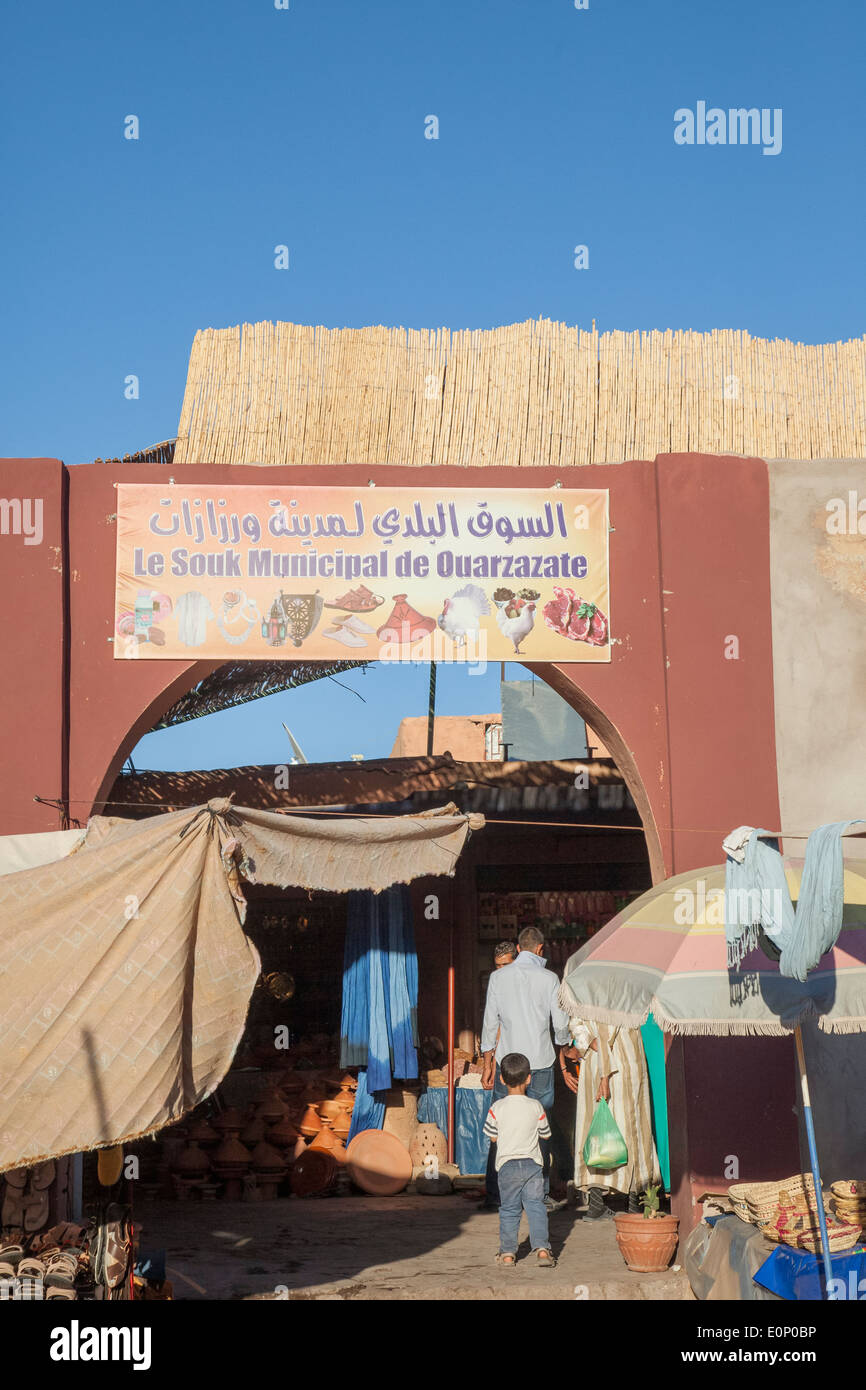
(647, 1239)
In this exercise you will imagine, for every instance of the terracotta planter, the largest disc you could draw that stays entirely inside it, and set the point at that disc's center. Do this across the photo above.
(647, 1246)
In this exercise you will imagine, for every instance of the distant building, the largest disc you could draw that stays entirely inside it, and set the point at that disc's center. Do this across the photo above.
(469, 738)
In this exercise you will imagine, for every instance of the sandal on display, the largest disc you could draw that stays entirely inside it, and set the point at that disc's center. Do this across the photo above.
(360, 600)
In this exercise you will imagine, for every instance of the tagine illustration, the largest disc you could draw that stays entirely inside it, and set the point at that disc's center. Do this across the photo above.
(405, 624)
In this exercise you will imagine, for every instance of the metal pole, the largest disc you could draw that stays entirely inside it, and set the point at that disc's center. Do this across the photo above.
(450, 1043)
(813, 1157)
(431, 709)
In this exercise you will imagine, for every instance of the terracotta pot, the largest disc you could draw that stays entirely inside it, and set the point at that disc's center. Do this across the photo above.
(312, 1095)
(427, 1141)
(266, 1159)
(349, 1081)
(329, 1110)
(204, 1134)
(231, 1154)
(231, 1121)
(310, 1122)
(327, 1141)
(313, 1173)
(647, 1246)
(345, 1099)
(342, 1125)
(283, 1134)
(300, 1147)
(254, 1132)
(271, 1106)
(378, 1163)
(192, 1161)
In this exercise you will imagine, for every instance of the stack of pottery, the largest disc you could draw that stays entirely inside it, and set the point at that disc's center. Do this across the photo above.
(284, 1136)
(204, 1133)
(310, 1122)
(314, 1174)
(253, 1132)
(272, 1107)
(230, 1161)
(229, 1122)
(327, 1141)
(191, 1167)
(270, 1168)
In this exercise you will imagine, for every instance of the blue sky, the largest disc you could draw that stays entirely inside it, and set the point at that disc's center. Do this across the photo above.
(305, 126)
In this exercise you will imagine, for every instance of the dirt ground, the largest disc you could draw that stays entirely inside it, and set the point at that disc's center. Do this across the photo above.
(406, 1247)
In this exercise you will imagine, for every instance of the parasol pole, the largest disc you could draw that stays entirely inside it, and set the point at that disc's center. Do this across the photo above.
(451, 1145)
(813, 1156)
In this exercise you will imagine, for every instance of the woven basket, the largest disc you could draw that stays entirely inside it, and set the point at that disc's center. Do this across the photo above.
(851, 1191)
(838, 1238)
(756, 1202)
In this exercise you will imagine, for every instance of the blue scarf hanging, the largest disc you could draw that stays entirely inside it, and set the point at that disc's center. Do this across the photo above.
(379, 1024)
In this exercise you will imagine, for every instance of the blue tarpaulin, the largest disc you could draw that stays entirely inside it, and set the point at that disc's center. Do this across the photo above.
(470, 1111)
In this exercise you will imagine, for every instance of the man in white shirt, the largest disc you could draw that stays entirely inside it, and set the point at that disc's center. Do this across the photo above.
(520, 1008)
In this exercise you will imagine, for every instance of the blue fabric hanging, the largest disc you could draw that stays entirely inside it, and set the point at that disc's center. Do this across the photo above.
(757, 899)
(379, 1027)
(368, 1113)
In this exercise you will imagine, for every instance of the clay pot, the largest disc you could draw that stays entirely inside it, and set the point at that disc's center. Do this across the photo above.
(327, 1141)
(314, 1172)
(329, 1110)
(647, 1245)
(341, 1127)
(204, 1134)
(349, 1081)
(378, 1163)
(230, 1154)
(266, 1159)
(312, 1095)
(271, 1106)
(427, 1141)
(300, 1148)
(231, 1121)
(283, 1134)
(401, 1114)
(345, 1099)
(192, 1162)
(254, 1132)
(310, 1122)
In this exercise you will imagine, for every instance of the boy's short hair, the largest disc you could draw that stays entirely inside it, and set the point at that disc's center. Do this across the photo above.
(529, 938)
(514, 1069)
(505, 948)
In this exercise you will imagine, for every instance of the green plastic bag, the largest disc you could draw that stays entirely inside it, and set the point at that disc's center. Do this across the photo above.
(605, 1146)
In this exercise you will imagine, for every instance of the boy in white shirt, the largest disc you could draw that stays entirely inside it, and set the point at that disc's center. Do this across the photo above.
(515, 1124)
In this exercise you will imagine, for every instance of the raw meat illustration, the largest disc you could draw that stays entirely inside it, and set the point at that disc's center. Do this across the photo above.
(571, 617)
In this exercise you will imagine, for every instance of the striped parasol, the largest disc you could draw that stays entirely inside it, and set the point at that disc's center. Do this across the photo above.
(666, 954)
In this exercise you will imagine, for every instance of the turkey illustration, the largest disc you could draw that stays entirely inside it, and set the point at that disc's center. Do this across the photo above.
(462, 614)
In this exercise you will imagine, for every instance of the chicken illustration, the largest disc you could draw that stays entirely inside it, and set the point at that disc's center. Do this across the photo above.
(516, 621)
(461, 616)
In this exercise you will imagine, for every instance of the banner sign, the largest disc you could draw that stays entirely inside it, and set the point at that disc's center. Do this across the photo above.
(379, 573)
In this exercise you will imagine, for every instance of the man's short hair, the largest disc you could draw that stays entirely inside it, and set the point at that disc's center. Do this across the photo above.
(529, 938)
(514, 1069)
(505, 948)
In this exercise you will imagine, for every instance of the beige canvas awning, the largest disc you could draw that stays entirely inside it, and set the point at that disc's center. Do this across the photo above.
(125, 974)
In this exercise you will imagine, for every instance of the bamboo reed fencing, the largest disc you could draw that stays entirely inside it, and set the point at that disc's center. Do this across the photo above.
(530, 393)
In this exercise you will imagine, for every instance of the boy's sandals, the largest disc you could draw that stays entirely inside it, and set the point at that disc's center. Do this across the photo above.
(506, 1259)
(545, 1260)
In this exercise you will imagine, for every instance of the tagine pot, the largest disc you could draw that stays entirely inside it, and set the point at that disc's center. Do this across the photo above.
(647, 1244)
(192, 1162)
(231, 1121)
(253, 1132)
(328, 1142)
(283, 1135)
(310, 1122)
(329, 1110)
(271, 1107)
(345, 1099)
(204, 1134)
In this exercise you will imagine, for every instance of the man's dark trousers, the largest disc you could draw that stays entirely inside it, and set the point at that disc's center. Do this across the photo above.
(540, 1088)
